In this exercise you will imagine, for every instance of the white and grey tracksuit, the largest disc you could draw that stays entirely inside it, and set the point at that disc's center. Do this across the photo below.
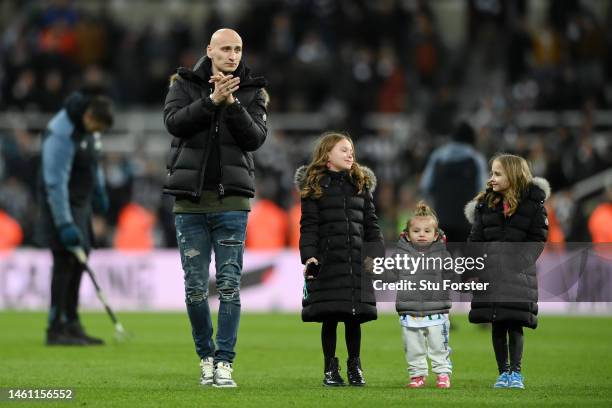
(424, 314)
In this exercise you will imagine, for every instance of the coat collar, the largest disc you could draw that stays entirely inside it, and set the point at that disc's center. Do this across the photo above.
(202, 71)
(404, 244)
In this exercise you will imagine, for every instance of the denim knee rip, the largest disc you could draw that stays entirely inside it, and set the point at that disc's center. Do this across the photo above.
(228, 285)
(190, 253)
(194, 297)
(230, 242)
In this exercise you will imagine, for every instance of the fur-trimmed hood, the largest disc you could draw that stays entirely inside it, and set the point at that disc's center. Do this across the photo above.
(539, 186)
(299, 178)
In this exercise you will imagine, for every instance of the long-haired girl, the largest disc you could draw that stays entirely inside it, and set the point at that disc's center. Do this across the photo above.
(510, 210)
(338, 219)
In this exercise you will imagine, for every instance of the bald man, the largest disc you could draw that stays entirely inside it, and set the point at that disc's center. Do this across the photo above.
(216, 113)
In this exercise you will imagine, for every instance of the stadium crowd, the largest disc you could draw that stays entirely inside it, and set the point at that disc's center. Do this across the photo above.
(397, 62)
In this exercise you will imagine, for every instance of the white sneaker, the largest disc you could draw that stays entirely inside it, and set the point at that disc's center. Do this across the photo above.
(223, 375)
(208, 371)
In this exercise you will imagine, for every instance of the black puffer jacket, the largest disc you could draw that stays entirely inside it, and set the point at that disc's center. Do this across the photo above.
(333, 229)
(512, 246)
(213, 144)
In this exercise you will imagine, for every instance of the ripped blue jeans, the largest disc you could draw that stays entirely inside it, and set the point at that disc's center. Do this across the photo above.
(198, 235)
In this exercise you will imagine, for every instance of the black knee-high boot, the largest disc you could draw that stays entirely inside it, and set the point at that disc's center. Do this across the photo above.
(331, 372)
(352, 334)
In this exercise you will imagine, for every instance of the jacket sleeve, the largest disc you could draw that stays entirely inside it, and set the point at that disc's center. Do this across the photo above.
(393, 274)
(538, 229)
(537, 234)
(370, 221)
(57, 155)
(309, 230)
(183, 116)
(248, 125)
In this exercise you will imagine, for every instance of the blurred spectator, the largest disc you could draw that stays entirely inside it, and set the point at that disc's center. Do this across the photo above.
(392, 93)
(12, 235)
(383, 152)
(546, 48)
(555, 232)
(600, 222)
(58, 38)
(455, 173)
(441, 115)
(427, 53)
(386, 210)
(401, 61)
(519, 45)
(53, 91)
(267, 226)
(17, 202)
(134, 228)
(583, 161)
(295, 214)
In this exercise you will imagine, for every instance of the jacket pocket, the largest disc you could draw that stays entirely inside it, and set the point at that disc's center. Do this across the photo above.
(174, 157)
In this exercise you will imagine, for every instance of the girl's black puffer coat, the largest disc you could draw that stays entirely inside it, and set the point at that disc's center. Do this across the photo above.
(333, 229)
(512, 246)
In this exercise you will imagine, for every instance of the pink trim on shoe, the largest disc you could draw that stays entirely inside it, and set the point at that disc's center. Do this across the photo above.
(416, 382)
(443, 381)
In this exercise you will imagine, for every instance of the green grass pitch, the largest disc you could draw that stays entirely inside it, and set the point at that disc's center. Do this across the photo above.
(567, 362)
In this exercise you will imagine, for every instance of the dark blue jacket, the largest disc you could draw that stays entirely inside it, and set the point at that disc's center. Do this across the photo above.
(455, 172)
(71, 176)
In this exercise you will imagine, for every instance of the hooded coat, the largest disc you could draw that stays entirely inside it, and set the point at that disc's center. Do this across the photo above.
(212, 145)
(512, 246)
(334, 229)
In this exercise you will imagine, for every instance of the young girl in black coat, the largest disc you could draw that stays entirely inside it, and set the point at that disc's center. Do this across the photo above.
(510, 210)
(338, 219)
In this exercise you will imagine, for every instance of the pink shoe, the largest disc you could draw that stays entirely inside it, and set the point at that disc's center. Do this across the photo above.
(443, 381)
(416, 382)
